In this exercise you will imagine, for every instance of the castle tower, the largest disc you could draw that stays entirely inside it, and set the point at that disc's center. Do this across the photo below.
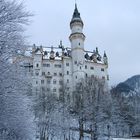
(77, 39)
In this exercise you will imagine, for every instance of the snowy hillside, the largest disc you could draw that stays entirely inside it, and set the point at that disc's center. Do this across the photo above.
(126, 106)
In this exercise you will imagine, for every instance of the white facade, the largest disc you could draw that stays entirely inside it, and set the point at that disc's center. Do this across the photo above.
(54, 67)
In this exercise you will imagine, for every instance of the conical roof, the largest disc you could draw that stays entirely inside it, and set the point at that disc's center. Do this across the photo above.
(76, 15)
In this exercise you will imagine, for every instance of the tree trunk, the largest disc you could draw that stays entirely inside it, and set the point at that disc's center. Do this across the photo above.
(81, 132)
(95, 132)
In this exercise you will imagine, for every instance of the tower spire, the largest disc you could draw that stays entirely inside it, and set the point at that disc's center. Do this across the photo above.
(75, 4)
(76, 15)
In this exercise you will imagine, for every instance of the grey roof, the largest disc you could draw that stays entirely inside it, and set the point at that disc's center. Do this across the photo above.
(76, 15)
(105, 54)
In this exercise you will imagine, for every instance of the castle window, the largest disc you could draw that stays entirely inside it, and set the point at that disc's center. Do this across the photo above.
(67, 64)
(36, 73)
(68, 81)
(54, 81)
(67, 72)
(54, 90)
(37, 65)
(92, 68)
(76, 77)
(42, 81)
(79, 44)
(103, 78)
(46, 65)
(60, 82)
(48, 81)
(107, 77)
(57, 66)
(60, 74)
(80, 68)
(43, 89)
(43, 73)
(55, 74)
(36, 82)
(48, 89)
(85, 66)
(75, 62)
(86, 75)
(102, 69)
(60, 90)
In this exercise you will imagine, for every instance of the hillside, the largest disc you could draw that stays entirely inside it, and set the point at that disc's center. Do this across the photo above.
(126, 105)
(129, 87)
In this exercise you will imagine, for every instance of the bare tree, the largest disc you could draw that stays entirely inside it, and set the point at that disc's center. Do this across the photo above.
(91, 106)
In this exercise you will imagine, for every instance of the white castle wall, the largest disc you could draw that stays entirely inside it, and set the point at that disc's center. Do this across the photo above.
(68, 70)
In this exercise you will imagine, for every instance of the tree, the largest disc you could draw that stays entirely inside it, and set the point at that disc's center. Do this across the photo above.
(125, 112)
(85, 111)
(91, 106)
(15, 116)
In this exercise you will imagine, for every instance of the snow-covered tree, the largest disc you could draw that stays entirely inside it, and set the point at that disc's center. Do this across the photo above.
(91, 107)
(15, 117)
(125, 110)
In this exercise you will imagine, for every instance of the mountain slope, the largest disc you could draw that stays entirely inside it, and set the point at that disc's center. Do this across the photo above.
(129, 87)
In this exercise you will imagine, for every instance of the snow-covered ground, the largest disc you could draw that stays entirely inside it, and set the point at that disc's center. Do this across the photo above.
(126, 139)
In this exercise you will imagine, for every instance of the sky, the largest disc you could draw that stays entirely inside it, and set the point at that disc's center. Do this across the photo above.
(111, 25)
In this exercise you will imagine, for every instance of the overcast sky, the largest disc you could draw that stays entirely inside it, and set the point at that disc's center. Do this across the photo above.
(111, 25)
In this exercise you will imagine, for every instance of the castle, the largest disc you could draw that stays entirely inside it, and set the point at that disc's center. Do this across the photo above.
(57, 67)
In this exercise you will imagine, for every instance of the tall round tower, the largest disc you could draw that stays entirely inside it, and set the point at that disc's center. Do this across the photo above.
(77, 39)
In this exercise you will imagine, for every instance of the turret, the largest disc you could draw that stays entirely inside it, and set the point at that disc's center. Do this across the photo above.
(52, 57)
(77, 39)
(76, 20)
(105, 59)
